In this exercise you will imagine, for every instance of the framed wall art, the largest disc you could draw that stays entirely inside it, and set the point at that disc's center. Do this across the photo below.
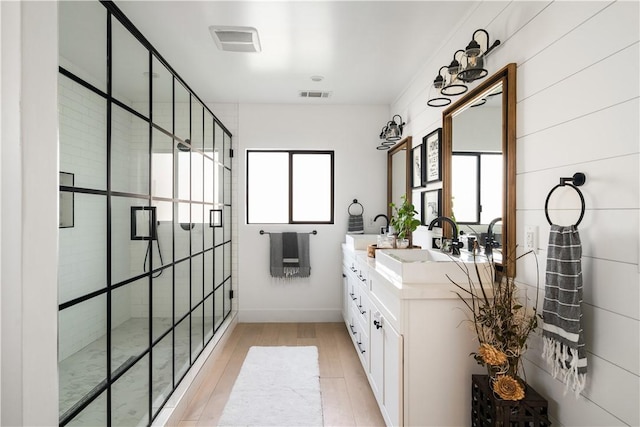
(431, 204)
(417, 167)
(433, 156)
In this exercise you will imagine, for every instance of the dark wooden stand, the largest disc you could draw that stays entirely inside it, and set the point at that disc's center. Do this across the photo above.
(487, 410)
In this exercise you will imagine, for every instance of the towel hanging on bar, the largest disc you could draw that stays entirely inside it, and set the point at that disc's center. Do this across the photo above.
(356, 222)
(289, 255)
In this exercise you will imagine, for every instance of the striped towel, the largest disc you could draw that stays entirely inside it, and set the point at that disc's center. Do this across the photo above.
(562, 331)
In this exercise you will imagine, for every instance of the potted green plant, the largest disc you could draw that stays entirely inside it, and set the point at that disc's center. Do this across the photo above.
(403, 221)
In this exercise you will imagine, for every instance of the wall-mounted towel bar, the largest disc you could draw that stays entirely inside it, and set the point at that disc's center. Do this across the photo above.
(266, 232)
(574, 182)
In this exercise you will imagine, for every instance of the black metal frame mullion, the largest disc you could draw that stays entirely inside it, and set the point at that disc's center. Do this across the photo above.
(109, 260)
(151, 264)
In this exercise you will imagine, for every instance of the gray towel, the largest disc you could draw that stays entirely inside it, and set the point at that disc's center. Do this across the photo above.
(356, 224)
(289, 255)
(562, 332)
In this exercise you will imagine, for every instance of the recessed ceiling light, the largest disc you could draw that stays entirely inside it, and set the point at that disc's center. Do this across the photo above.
(317, 78)
(236, 39)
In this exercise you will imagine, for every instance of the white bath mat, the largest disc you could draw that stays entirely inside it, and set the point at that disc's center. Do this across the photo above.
(277, 386)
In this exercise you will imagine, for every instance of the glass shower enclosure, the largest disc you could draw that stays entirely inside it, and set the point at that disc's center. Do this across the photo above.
(145, 221)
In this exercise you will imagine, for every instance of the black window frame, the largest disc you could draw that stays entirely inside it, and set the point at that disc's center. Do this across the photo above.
(292, 153)
(478, 180)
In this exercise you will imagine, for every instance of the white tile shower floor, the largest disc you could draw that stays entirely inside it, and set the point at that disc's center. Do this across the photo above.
(85, 370)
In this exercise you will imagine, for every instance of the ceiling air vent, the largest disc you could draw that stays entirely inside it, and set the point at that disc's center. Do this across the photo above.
(235, 39)
(314, 94)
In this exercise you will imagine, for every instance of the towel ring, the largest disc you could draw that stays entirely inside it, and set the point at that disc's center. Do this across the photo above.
(355, 202)
(577, 180)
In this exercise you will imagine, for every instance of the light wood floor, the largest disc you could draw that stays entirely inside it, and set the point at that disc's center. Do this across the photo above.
(347, 399)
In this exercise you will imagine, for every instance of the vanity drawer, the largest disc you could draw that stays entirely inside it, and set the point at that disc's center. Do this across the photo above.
(360, 336)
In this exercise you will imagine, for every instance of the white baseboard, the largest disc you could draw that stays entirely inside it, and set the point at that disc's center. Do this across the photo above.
(289, 316)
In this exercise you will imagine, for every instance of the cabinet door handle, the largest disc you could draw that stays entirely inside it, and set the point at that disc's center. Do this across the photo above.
(344, 275)
(352, 330)
(377, 324)
(364, 280)
(361, 311)
(353, 297)
(360, 348)
(353, 269)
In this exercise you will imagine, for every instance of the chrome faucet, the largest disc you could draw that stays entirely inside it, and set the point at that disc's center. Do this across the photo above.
(455, 243)
(490, 241)
(386, 218)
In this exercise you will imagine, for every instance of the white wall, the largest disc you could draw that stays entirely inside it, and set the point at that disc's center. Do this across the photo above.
(352, 131)
(29, 229)
(577, 110)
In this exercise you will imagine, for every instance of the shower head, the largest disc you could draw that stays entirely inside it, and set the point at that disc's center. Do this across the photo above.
(184, 147)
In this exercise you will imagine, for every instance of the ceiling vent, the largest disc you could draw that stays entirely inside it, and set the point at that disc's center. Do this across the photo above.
(314, 94)
(235, 39)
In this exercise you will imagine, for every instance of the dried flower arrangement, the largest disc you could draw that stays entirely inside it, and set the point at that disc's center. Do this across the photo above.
(502, 325)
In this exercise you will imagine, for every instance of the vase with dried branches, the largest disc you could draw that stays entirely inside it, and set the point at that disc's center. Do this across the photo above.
(502, 321)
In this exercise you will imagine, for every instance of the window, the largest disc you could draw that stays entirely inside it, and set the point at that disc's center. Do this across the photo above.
(290, 187)
(476, 182)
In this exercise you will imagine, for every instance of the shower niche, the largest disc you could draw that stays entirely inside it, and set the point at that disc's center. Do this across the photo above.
(145, 241)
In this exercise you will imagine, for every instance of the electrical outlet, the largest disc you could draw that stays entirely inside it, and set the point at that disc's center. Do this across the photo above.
(531, 238)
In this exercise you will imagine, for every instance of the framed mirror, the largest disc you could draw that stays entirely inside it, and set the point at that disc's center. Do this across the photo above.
(479, 163)
(399, 173)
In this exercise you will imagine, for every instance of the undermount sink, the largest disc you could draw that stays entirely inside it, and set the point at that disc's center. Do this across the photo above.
(430, 266)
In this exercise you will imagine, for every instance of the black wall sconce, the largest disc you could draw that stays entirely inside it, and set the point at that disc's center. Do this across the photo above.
(391, 133)
(473, 58)
(467, 66)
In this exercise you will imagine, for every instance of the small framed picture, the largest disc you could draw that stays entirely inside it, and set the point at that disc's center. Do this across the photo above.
(417, 166)
(433, 156)
(431, 206)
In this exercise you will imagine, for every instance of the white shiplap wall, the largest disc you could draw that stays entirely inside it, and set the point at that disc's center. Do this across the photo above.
(577, 110)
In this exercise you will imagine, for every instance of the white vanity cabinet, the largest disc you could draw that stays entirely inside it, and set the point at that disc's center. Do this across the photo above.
(414, 345)
(356, 310)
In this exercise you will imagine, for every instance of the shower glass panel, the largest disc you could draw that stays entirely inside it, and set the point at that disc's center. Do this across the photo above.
(182, 285)
(162, 373)
(208, 273)
(129, 323)
(82, 40)
(130, 395)
(144, 280)
(197, 334)
(197, 218)
(181, 349)
(182, 230)
(208, 318)
(129, 69)
(95, 414)
(196, 176)
(82, 266)
(82, 121)
(196, 280)
(162, 302)
(197, 125)
(162, 92)
(82, 352)
(161, 165)
(208, 134)
(129, 152)
(208, 180)
(218, 268)
(218, 309)
(182, 110)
